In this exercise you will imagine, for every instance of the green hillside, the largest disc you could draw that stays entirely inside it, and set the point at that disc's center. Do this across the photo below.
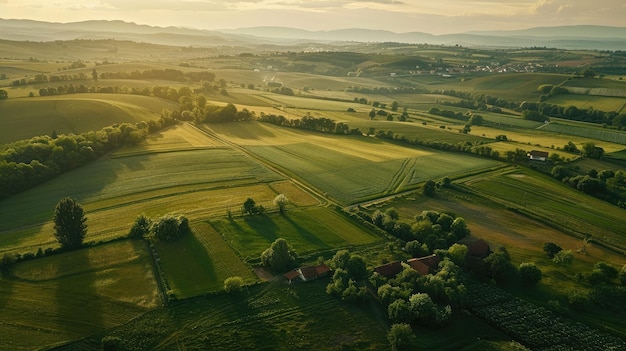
(27, 117)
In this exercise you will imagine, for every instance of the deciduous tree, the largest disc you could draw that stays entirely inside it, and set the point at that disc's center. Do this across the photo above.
(281, 201)
(530, 273)
(233, 284)
(401, 337)
(280, 256)
(70, 225)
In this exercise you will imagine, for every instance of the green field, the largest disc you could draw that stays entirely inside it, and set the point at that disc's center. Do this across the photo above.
(508, 86)
(308, 231)
(198, 263)
(602, 103)
(348, 169)
(205, 172)
(76, 294)
(553, 202)
(28, 117)
(197, 181)
(588, 131)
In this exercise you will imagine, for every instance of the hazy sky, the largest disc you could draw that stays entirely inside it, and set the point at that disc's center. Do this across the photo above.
(432, 16)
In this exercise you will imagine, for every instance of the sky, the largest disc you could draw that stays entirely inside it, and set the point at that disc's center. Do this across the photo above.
(430, 16)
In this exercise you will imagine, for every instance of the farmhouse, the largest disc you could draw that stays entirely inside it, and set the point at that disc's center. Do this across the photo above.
(389, 270)
(477, 250)
(425, 265)
(307, 273)
(422, 265)
(538, 155)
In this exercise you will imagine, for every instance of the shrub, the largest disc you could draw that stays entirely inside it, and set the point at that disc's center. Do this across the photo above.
(233, 284)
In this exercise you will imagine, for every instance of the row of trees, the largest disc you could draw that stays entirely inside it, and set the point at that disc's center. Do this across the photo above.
(163, 74)
(607, 184)
(26, 163)
(321, 124)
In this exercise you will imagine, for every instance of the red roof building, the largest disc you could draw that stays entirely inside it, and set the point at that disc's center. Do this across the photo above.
(431, 264)
(418, 266)
(389, 270)
(307, 273)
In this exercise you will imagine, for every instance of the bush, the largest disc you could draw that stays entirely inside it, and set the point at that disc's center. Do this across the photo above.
(401, 337)
(112, 343)
(530, 274)
(233, 284)
(170, 227)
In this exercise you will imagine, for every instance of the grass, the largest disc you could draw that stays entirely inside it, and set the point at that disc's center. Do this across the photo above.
(28, 117)
(553, 202)
(199, 263)
(590, 132)
(601, 103)
(44, 301)
(544, 137)
(195, 182)
(348, 169)
(508, 86)
(309, 231)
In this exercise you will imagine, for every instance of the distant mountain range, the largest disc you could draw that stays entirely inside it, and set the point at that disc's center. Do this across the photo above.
(565, 37)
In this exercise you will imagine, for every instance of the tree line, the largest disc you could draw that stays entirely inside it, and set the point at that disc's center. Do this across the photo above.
(27, 163)
(164, 74)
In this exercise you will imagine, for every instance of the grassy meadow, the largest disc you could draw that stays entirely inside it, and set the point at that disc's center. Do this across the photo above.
(310, 230)
(348, 169)
(553, 202)
(47, 299)
(79, 113)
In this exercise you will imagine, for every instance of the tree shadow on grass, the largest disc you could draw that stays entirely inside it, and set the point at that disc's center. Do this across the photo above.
(263, 226)
(307, 235)
(79, 308)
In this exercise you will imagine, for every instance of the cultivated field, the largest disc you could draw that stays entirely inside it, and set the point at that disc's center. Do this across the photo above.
(206, 172)
(348, 169)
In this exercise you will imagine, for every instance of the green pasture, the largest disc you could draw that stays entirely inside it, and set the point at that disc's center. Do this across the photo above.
(191, 177)
(553, 202)
(546, 138)
(594, 132)
(602, 103)
(73, 295)
(115, 191)
(429, 132)
(595, 83)
(349, 169)
(308, 231)
(79, 113)
(199, 263)
(350, 179)
(508, 86)
(498, 119)
(309, 103)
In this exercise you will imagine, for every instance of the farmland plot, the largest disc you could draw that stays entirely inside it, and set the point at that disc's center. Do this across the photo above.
(198, 263)
(555, 203)
(348, 169)
(197, 182)
(75, 294)
(308, 230)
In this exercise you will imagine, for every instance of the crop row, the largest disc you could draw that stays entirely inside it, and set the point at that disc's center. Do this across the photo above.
(536, 327)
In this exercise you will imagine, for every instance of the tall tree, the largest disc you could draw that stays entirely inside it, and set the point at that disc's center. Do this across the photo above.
(70, 225)
(279, 256)
(281, 202)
